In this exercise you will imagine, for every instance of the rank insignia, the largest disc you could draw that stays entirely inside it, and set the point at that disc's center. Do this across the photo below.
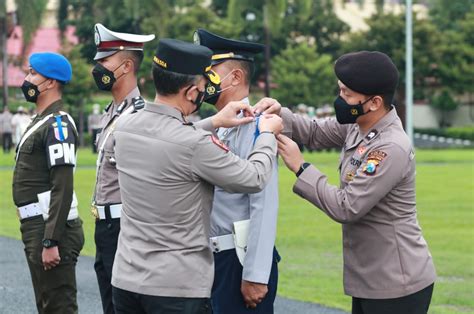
(371, 134)
(216, 141)
(57, 131)
(370, 167)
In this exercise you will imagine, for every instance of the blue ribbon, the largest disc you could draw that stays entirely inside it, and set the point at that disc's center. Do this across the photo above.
(257, 131)
(60, 128)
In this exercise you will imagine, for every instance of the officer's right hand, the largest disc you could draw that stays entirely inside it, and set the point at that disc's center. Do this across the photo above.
(50, 257)
(267, 105)
(227, 117)
(270, 123)
(253, 293)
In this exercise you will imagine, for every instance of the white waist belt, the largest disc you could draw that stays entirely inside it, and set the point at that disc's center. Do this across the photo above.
(34, 209)
(115, 211)
(29, 210)
(222, 243)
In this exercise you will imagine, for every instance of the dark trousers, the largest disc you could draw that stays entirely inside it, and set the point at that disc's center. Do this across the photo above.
(416, 303)
(226, 296)
(55, 289)
(106, 237)
(7, 142)
(127, 302)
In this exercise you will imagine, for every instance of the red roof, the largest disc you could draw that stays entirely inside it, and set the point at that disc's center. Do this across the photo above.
(45, 39)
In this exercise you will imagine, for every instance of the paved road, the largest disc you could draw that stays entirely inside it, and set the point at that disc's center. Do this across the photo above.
(16, 293)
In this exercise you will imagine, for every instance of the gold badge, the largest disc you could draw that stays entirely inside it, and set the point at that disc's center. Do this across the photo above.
(354, 112)
(31, 92)
(94, 211)
(105, 79)
(211, 90)
(350, 176)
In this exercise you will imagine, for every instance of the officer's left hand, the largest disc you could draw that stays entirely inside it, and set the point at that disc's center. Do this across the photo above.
(290, 152)
(253, 293)
(50, 257)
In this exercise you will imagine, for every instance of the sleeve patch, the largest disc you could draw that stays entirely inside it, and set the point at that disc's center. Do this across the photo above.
(370, 167)
(221, 145)
(61, 143)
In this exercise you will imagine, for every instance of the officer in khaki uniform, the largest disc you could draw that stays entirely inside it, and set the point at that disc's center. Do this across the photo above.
(43, 187)
(167, 171)
(387, 265)
(247, 284)
(118, 57)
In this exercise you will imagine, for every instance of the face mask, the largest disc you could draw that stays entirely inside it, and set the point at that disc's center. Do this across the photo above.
(199, 99)
(213, 91)
(346, 113)
(103, 77)
(31, 91)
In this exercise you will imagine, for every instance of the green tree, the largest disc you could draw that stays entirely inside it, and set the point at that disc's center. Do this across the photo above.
(387, 34)
(446, 13)
(303, 76)
(29, 15)
(445, 104)
(79, 91)
(456, 66)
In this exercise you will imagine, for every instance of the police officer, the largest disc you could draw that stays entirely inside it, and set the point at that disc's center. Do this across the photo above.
(43, 187)
(167, 172)
(387, 265)
(118, 57)
(239, 288)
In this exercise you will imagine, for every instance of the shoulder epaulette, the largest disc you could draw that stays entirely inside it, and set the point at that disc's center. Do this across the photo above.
(108, 106)
(138, 103)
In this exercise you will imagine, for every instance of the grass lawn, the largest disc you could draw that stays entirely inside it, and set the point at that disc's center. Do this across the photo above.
(310, 243)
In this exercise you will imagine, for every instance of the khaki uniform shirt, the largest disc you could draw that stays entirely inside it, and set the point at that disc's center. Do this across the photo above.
(385, 254)
(107, 189)
(45, 162)
(167, 172)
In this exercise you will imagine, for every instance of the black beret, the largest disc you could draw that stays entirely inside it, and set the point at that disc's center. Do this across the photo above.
(227, 49)
(367, 72)
(185, 58)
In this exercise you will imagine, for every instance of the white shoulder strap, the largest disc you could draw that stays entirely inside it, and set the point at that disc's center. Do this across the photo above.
(31, 131)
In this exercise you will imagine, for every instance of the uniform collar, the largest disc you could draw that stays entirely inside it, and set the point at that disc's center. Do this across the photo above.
(167, 110)
(127, 101)
(380, 125)
(54, 107)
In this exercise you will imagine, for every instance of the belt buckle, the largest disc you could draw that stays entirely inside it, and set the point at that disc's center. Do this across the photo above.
(94, 211)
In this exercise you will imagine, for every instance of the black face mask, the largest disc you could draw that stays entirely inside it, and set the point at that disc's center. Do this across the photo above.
(103, 77)
(31, 91)
(199, 99)
(213, 91)
(346, 113)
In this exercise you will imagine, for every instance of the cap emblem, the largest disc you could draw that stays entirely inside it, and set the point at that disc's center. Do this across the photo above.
(97, 38)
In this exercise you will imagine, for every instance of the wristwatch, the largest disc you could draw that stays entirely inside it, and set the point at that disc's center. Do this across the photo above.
(47, 243)
(302, 168)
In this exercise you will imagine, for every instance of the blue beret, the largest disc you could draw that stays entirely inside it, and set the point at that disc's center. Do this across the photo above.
(52, 65)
